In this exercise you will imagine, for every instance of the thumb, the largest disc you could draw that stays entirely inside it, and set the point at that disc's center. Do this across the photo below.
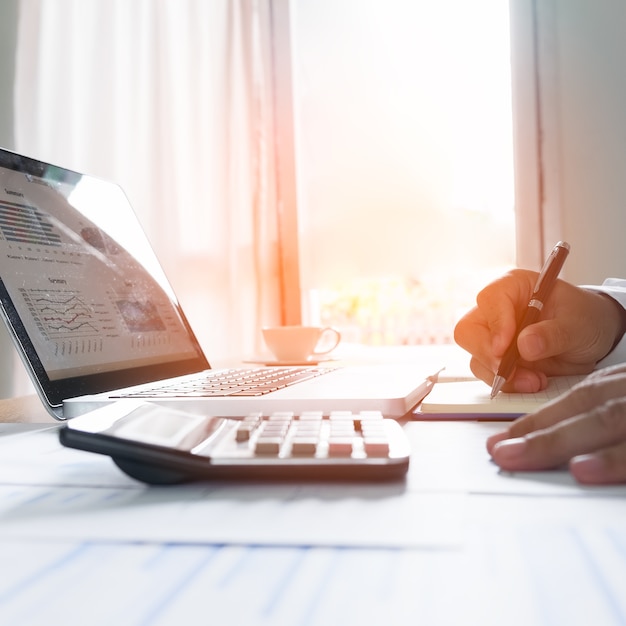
(541, 341)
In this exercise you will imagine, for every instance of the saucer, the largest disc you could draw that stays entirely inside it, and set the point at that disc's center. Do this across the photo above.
(273, 363)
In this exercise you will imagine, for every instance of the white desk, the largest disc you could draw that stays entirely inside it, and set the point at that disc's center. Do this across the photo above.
(458, 543)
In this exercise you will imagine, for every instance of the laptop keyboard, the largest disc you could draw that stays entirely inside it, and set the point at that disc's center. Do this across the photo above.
(250, 382)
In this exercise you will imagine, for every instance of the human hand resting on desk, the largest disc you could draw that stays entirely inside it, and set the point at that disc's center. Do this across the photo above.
(585, 427)
(576, 329)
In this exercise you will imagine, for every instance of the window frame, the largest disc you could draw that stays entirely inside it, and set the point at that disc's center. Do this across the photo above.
(285, 165)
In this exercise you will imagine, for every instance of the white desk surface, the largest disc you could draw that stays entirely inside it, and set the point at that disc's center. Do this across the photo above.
(457, 543)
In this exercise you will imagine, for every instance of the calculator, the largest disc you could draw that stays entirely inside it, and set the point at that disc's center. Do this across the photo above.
(159, 445)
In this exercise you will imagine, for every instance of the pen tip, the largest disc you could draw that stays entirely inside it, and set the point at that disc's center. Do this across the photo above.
(498, 381)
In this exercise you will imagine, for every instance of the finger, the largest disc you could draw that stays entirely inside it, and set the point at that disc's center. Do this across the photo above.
(499, 304)
(489, 327)
(589, 432)
(583, 397)
(472, 334)
(526, 381)
(554, 338)
(540, 341)
(519, 428)
(547, 338)
(481, 371)
(497, 438)
(604, 467)
(591, 392)
(522, 381)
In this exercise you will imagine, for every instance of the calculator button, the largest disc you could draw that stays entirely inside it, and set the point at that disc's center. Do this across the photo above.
(308, 427)
(315, 416)
(371, 430)
(378, 447)
(340, 416)
(243, 432)
(274, 428)
(271, 436)
(248, 425)
(304, 446)
(268, 445)
(281, 416)
(345, 429)
(340, 446)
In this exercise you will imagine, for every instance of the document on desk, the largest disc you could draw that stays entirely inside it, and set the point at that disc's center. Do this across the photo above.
(518, 575)
(49, 491)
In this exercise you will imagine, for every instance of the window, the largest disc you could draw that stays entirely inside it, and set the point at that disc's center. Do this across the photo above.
(405, 162)
(403, 152)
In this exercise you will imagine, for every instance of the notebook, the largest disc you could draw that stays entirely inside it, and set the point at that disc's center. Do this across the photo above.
(94, 318)
(472, 400)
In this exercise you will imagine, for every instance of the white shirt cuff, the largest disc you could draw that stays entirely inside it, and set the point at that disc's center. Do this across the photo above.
(616, 288)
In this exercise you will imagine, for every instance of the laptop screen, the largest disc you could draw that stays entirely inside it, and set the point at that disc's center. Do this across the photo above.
(82, 290)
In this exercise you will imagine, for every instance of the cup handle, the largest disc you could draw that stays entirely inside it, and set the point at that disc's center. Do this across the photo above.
(335, 341)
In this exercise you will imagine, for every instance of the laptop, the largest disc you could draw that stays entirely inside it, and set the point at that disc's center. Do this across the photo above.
(95, 320)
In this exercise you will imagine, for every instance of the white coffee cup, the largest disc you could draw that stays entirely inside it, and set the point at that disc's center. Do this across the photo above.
(298, 344)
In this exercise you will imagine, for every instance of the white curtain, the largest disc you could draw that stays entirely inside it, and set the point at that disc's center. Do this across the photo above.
(171, 99)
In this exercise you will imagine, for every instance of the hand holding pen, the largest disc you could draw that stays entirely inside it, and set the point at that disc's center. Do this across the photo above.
(576, 330)
(541, 292)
